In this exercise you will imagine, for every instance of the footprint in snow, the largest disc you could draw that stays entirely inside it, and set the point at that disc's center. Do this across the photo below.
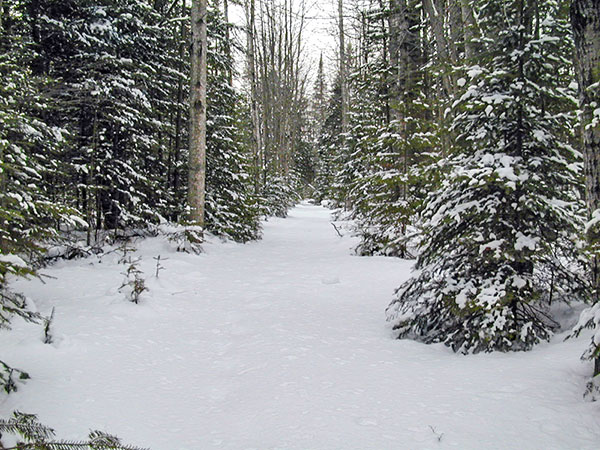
(330, 280)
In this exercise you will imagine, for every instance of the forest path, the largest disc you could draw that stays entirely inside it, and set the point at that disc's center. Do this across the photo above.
(279, 344)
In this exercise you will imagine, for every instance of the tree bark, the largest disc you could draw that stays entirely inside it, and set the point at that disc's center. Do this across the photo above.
(436, 20)
(197, 135)
(585, 21)
(343, 74)
(456, 30)
(251, 52)
(470, 29)
(228, 39)
(398, 33)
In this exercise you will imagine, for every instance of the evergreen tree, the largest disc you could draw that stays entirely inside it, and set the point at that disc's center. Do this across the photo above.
(231, 208)
(108, 57)
(328, 144)
(30, 213)
(32, 435)
(391, 134)
(501, 233)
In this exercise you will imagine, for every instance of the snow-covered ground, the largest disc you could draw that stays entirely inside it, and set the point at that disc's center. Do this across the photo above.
(278, 344)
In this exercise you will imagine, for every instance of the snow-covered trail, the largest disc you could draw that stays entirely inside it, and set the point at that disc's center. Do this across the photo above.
(279, 344)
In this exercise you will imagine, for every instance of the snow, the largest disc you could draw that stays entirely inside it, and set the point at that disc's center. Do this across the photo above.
(474, 71)
(529, 242)
(278, 344)
(13, 259)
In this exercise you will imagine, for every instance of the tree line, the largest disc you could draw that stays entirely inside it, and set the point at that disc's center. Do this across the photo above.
(463, 133)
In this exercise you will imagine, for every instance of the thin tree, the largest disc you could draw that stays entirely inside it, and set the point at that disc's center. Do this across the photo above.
(343, 71)
(197, 137)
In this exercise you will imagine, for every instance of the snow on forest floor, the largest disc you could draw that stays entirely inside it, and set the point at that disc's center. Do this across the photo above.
(278, 344)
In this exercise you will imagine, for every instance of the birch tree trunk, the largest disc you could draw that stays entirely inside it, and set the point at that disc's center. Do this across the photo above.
(585, 20)
(197, 135)
(343, 74)
(436, 19)
(398, 33)
(251, 62)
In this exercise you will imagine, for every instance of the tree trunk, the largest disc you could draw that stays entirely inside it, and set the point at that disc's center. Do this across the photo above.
(251, 52)
(585, 20)
(456, 30)
(197, 135)
(396, 36)
(228, 40)
(470, 29)
(436, 20)
(343, 74)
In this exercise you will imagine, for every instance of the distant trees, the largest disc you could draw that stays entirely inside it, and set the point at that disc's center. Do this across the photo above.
(279, 104)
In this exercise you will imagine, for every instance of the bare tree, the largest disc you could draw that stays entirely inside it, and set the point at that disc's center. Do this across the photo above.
(197, 135)
(250, 10)
(435, 13)
(281, 82)
(343, 69)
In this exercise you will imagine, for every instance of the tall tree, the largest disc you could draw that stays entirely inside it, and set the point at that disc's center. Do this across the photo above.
(197, 135)
(257, 146)
(343, 72)
(281, 83)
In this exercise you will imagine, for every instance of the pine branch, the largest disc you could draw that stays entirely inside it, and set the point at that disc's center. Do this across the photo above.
(39, 437)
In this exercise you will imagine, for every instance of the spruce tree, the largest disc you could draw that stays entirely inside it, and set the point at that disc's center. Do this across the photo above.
(329, 142)
(231, 208)
(108, 57)
(501, 234)
(392, 133)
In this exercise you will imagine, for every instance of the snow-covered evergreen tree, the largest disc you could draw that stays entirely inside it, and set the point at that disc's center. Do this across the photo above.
(329, 142)
(29, 210)
(501, 234)
(380, 182)
(108, 57)
(231, 208)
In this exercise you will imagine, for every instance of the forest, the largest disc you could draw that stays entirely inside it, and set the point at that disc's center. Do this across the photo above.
(462, 136)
